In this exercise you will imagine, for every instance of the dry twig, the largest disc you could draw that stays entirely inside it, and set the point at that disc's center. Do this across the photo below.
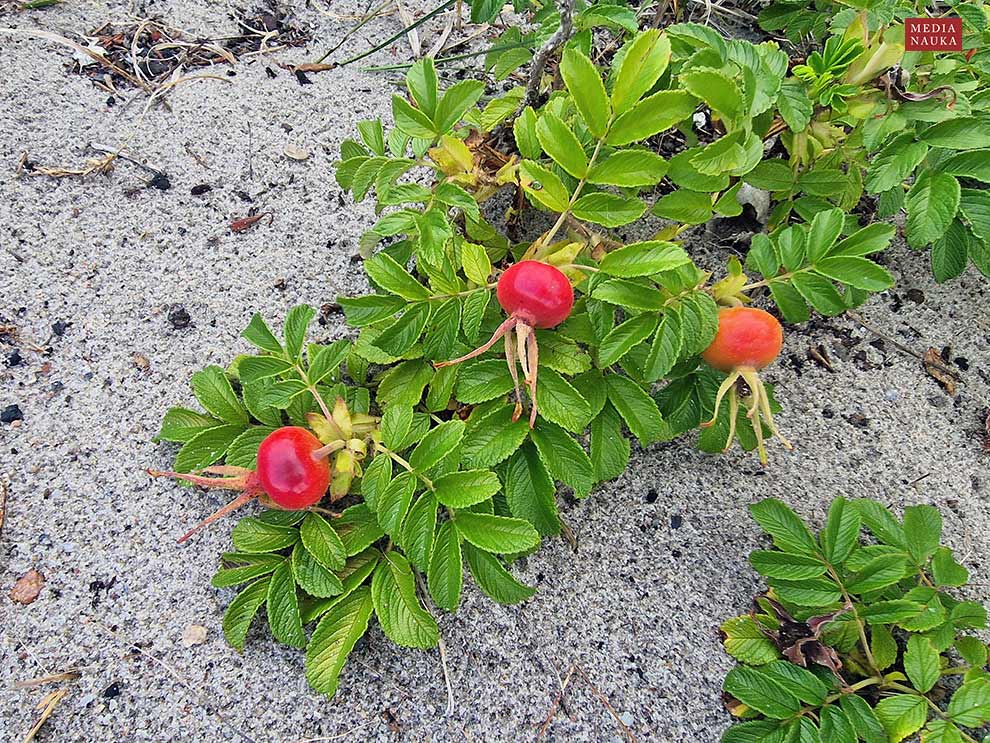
(559, 700)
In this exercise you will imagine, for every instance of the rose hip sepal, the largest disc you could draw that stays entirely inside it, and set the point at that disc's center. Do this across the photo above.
(535, 295)
(292, 473)
(748, 339)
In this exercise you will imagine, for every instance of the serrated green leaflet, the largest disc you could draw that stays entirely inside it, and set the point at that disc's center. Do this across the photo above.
(644, 259)
(463, 489)
(253, 535)
(393, 502)
(418, 529)
(436, 445)
(492, 577)
(445, 576)
(498, 534)
(321, 541)
(335, 637)
(780, 522)
(921, 663)
(283, 608)
(530, 492)
(402, 617)
(761, 692)
(563, 457)
(560, 403)
(747, 642)
(241, 611)
(902, 715)
(312, 576)
(494, 439)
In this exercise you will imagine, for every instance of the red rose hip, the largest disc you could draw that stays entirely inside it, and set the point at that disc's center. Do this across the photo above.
(292, 473)
(535, 295)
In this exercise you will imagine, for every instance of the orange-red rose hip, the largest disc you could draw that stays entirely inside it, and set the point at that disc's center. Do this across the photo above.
(747, 338)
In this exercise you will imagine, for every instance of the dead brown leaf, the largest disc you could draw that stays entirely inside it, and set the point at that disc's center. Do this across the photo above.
(27, 587)
(246, 223)
(940, 371)
(312, 67)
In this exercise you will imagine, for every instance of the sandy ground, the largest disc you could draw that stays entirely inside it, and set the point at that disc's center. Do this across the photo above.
(661, 559)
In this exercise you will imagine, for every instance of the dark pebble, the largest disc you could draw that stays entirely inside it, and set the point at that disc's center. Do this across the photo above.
(15, 358)
(112, 691)
(676, 521)
(160, 181)
(201, 189)
(915, 295)
(59, 327)
(651, 495)
(179, 317)
(10, 414)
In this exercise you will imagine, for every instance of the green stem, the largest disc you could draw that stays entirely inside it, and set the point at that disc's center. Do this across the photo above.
(408, 467)
(444, 60)
(860, 625)
(396, 36)
(548, 236)
(367, 19)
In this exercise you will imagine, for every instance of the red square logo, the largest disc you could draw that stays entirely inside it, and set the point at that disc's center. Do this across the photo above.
(933, 34)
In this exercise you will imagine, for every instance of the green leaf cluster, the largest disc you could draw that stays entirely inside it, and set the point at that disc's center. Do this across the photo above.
(858, 636)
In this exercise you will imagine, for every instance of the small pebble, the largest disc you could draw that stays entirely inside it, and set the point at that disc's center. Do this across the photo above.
(14, 358)
(59, 327)
(892, 395)
(627, 719)
(676, 521)
(201, 189)
(179, 317)
(10, 414)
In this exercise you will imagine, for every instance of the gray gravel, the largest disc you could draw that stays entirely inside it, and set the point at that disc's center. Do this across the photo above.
(662, 551)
